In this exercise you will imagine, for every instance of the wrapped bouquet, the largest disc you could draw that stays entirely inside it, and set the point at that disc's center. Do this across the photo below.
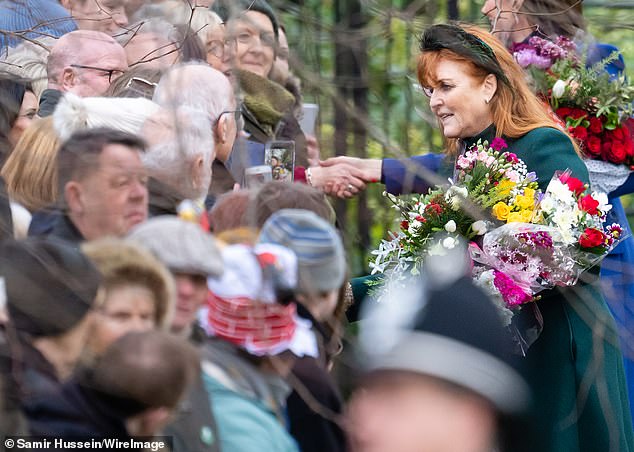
(595, 106)
(522, 241)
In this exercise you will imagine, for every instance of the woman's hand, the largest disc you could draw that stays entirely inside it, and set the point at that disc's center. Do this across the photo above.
(341, 180)
(370, 169)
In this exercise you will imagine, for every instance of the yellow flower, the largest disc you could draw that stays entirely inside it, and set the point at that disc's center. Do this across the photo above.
(529, 193)
(501, 211)
(524, 202)
(526, 215)
(515, 217)
(505, 186)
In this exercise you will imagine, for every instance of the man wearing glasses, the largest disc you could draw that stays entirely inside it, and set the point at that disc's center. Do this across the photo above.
(84, 63)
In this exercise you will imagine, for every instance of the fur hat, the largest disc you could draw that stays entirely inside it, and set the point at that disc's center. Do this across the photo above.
(127, 114)
(50, 285)
(123, 263)
(317, 245)
(181, 245)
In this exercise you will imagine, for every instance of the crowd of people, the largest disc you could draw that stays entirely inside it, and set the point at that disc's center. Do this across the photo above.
(145, 291)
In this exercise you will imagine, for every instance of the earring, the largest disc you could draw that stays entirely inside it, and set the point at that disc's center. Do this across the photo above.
(486, 101)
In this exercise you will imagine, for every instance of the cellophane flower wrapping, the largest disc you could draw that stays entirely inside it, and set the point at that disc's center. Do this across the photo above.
(594, 106)
(523, 241)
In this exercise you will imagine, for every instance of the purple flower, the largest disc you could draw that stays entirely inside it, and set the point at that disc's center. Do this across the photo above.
(512, 294)
(529, 57)
(498, 144)
(531, 177)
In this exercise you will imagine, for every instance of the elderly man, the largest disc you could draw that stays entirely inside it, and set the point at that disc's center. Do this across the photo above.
(199, 122)
(102, 182)
(107, 16)
(84, 63)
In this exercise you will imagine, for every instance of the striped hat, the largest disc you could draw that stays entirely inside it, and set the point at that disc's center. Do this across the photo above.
(319, 250)
(250, 306)
(34, 19)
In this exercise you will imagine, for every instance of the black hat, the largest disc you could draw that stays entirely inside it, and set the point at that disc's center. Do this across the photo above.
(230, 8)
(459, 337)
(50, 285)
(458, 40)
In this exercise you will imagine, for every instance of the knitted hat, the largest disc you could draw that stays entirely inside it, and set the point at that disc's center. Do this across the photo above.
(181, 245)
(34, 18)
(249, 306)
(459, 337)
(317, 245)
(50, 285)
(227, 9)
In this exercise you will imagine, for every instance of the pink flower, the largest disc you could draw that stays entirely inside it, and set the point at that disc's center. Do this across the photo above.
(498, 144)
(512, 294)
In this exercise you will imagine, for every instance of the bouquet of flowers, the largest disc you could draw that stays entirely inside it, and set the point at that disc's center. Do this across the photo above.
(486, 177)
(522, 241)
(564, 238)
(594, 106)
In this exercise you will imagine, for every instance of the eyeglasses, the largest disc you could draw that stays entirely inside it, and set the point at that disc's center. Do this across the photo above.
(237, 115)
(249, 38)
(217, 48)
(112, 73)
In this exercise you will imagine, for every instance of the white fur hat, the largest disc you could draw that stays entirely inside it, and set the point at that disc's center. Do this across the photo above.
(75, 113)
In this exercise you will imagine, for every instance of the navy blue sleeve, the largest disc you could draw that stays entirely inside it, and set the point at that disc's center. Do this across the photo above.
(625, 189)
(407, 175)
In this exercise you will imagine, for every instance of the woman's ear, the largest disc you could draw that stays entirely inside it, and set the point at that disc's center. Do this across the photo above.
(489, 87)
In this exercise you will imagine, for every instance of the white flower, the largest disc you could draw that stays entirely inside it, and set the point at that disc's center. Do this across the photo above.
(559, 88)
(449, 243)
(604, 207)
(479, 227)
(450, 226)
(455, 195)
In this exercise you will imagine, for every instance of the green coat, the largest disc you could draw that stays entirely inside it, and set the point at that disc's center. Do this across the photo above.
(574, 368)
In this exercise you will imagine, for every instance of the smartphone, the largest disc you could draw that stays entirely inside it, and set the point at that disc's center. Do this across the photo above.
(280, 156)
(256, 176)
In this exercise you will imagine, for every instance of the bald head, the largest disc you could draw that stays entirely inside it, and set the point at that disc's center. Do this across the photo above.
(84, 62)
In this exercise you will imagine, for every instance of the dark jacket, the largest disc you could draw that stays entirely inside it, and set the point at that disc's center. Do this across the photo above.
(65, 229)
(162, 199)
(6, 219)
(48, 102)
(194, 427)
(316, 431)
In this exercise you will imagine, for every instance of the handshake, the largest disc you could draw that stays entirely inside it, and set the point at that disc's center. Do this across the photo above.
(343, 176)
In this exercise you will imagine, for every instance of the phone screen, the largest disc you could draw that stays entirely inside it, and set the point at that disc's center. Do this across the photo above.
(280, 156)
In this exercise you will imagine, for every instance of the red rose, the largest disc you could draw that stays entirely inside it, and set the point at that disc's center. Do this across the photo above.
(574, 185)
(618, 134)
(629, 148)
(580, 133)
(596, 126)
(433, 208)
(577, 113)
(616, 153)
(404, 225)
(593, 146)
(589, 204)
(591, 238)
(563, 112)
